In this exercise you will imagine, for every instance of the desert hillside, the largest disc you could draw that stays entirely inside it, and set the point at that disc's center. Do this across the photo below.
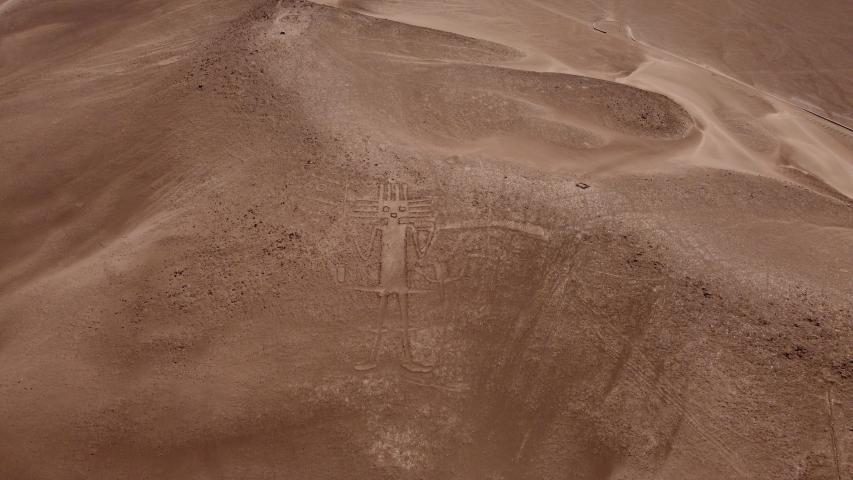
(459, 239)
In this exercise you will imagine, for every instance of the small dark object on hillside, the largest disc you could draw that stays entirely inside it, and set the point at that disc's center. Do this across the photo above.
(281, 33)
(582, 185)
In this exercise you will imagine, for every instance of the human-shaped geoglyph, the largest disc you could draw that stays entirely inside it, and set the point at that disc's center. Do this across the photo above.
(396, 222)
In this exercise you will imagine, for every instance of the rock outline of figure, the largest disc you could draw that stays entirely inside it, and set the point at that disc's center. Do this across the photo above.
(395, 220)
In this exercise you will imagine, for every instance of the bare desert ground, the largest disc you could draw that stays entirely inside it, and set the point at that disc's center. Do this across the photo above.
(459, 239)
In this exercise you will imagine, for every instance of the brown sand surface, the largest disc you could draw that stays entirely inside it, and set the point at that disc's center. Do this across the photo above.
(615, 245)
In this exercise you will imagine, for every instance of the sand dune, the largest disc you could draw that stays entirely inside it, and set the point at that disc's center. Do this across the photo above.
(561, 39)
(600, 259)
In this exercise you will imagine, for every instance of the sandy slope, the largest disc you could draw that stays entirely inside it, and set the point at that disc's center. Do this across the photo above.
(638, 269)
(742, 128)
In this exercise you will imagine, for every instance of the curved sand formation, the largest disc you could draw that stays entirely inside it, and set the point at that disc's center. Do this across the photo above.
(611, 264)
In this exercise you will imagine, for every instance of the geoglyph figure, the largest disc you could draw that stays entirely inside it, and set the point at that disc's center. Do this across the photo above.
(396, 221)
